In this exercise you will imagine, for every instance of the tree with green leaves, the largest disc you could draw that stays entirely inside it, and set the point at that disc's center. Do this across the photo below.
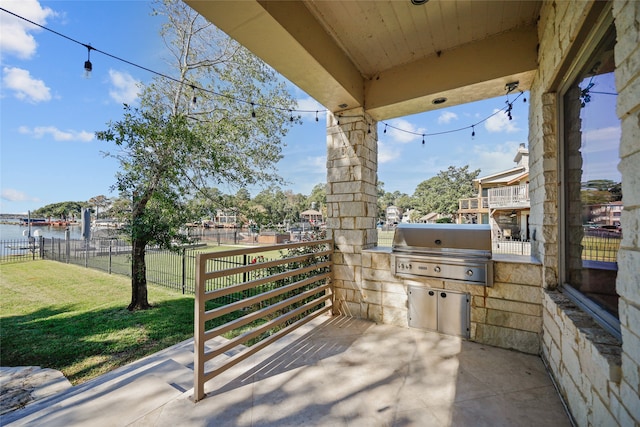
(442, 192)
(194, 131)
(601, 191)
(98, 202)
(270, 207)
(62, 210)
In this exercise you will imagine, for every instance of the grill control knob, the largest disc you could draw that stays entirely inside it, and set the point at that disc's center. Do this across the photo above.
(437, 269)
(469, 273)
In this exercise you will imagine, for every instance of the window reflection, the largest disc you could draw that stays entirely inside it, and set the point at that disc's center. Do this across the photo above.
(593, 197)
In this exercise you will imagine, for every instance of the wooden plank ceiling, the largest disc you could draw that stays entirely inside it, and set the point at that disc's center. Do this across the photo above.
(393, 58)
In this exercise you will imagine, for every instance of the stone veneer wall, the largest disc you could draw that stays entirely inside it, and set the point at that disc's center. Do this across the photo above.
(599, 379)
(507, 315)
(352, 166)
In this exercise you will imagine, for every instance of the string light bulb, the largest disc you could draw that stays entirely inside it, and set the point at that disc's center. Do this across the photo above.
(316, 115)
(194, 100)
(423, 139)
(473, 131)
(253, 110)
(88, 67)
(509, 87)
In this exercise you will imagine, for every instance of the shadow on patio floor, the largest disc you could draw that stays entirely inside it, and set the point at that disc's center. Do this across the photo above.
(334, 371)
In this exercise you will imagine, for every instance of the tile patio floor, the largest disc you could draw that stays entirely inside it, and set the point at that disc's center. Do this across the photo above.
(334, 371)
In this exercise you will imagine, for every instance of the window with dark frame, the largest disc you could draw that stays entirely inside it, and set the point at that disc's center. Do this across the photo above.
(592, 192)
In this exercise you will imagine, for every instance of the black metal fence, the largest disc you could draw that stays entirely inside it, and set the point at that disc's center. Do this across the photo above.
(171, 269)
(17, 250)
(222, 235)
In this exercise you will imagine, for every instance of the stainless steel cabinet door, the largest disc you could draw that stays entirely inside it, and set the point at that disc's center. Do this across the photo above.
(423, 308)
(453, 313)
(438, 310)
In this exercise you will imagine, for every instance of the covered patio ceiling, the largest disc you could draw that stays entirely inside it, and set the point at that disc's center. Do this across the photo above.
(393, 58)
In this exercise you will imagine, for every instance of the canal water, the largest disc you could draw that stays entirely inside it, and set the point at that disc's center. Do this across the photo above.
(15, 231)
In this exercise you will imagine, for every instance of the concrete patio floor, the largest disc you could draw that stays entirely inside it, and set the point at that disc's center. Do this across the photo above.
(334, 371)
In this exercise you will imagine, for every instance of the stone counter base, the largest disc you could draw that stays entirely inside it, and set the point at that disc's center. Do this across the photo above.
(507, 315)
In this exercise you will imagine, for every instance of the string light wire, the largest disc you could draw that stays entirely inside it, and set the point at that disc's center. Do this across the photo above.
(254, 104)
(472, 126)
(157, 73)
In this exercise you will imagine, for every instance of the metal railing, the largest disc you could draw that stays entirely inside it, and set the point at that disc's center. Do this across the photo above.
(601, 245)
(17, 250)
(270, 299)
(511, 246)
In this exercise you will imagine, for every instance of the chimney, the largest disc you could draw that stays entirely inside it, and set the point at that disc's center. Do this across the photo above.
(522, 157)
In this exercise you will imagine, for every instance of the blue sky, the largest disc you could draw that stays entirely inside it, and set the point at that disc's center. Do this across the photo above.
(49, 111)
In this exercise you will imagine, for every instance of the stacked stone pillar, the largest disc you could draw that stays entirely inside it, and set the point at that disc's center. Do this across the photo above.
(352, 165)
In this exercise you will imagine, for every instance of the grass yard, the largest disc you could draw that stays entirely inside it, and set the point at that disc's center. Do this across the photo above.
(600, 248)
(75, 320)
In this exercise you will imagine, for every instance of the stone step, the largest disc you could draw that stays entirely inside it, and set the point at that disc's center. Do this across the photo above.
(171, 370)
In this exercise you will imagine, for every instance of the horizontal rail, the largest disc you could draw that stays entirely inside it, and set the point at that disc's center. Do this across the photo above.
(256, 332)
(239, 357)
(260, 249)
(257, 266)
(227, 327)
(218, 293)
(238, 305)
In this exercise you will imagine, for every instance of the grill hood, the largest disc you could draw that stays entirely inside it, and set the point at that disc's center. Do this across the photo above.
(438, 239)
(450, 252)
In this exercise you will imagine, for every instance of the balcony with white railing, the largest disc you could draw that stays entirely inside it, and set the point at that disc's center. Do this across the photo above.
(473, 205)
(512, 197)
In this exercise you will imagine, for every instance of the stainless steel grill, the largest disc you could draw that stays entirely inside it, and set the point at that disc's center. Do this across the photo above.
(454, 252)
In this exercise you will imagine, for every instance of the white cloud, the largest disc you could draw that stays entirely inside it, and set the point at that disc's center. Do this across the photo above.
(387, 153)
(446, 117)
(311, 105)
(125, 87)
(25, 87)
(57, 134)
(494, 158)
(317, 164)
(603, 139)
(11, 195)
(15, 37)
(402, 131)
(500, 122)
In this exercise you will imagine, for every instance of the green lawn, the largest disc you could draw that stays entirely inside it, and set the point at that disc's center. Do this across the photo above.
(75, 320)
(600, 248)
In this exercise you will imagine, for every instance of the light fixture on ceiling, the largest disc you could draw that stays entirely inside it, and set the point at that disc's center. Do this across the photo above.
(439, 101)
(510, 87)
(418, 2)
(343, 105)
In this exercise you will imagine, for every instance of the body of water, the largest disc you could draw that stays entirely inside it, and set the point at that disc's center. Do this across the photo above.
(14, 231)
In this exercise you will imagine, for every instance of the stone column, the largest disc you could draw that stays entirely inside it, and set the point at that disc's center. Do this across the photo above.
(627, 55)
(352, 165)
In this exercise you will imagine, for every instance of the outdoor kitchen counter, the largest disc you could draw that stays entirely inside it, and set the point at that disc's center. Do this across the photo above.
(507, 314)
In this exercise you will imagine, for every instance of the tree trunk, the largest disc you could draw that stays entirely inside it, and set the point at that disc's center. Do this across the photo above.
(139, 299)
